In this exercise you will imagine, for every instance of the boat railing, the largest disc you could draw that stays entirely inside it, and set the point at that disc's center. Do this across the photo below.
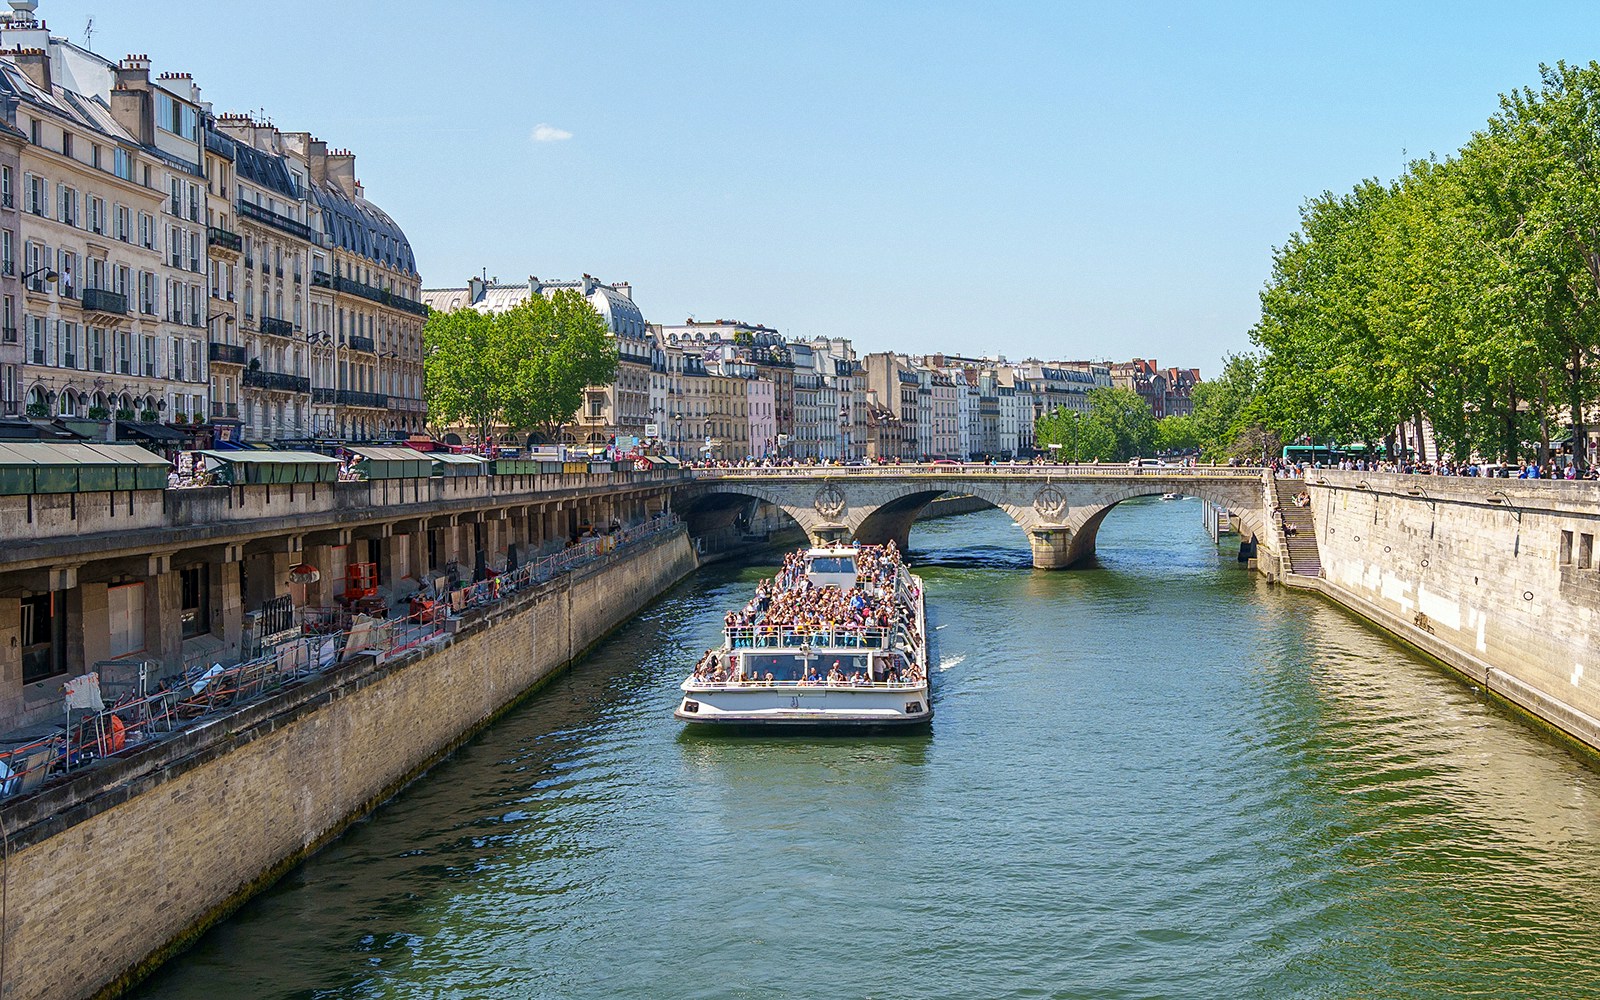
(732, 685)
(800, 636)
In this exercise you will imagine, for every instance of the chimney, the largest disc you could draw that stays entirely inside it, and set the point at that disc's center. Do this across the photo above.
(131, 104)
(132, 73)
(317, 159)
(342, 171)
(35, 63)
(475, 289)
(181, 84)
(625, 288)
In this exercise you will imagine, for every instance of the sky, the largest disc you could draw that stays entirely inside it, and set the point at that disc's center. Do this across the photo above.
(1059, 180)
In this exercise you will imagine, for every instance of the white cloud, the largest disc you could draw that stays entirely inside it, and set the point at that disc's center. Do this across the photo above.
(549, 133)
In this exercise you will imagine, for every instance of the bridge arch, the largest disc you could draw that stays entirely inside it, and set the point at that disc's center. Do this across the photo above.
(1060, 510)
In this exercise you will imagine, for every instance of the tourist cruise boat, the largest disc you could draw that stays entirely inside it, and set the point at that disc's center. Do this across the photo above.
(837, 638)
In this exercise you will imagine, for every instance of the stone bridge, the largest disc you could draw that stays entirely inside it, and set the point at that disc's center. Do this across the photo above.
(1060, 507)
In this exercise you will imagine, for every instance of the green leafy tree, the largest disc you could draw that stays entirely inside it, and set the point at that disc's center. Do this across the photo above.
(566, 346)
(1078, 439)
(1532, 181)
(1466, 292)
(1117, 427)
(464, 367)
(524, 368)
(1176, 434)
(1228, 417)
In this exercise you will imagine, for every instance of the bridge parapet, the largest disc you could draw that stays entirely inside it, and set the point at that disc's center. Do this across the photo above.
(1059, 506)
(1230, 473)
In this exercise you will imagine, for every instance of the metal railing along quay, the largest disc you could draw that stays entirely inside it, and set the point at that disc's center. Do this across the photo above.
(1005, 471)
(328, 637)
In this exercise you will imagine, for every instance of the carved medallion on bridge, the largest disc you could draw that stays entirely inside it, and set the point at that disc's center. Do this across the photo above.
(1050, 502)
(830, 502)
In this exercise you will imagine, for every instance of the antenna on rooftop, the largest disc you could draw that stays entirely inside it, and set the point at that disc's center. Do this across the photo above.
(88, 34)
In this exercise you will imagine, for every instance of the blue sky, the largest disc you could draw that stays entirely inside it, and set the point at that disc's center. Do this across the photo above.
(1064, 180)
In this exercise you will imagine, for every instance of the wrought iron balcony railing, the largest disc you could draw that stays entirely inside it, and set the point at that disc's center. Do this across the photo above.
(276, 380)
(228, 354)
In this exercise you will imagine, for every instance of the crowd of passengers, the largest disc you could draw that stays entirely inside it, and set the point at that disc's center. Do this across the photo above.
(713, 668)
(790, 601)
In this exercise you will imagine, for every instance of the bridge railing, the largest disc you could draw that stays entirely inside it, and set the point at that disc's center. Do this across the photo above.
(969, 470)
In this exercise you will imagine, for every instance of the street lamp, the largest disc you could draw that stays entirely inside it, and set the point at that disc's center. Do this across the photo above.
(50, 276)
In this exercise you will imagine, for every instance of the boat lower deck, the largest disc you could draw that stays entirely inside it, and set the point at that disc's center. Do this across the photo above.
(806, 704)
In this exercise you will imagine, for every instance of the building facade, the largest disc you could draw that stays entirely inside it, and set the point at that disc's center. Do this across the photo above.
(143, 219)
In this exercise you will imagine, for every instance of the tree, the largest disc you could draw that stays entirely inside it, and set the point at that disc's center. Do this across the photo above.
(1532, 179)
(524, 368)
(1466, 292)
(1080, 440)
(1228, 418)
(463, 367)
(1117, 427)
(1176, 434)
(568, 347)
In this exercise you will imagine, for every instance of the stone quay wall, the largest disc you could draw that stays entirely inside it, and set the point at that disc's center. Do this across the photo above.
(110, 874)
(1498, 578)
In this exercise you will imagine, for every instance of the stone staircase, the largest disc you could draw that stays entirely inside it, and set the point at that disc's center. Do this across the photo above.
(1301, 545)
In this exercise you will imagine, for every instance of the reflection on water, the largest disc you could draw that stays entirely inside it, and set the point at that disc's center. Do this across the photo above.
(1156, 777)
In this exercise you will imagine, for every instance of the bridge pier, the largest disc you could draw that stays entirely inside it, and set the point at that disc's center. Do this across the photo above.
(1052, 547)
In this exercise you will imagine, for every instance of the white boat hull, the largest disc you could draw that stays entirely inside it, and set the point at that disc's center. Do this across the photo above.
(805, 706)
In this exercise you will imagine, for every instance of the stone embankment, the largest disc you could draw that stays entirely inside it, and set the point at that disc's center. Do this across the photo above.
(1497, 578)
(107, 875)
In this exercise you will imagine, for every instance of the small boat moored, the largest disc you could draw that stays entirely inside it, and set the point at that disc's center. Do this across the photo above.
(837, 638)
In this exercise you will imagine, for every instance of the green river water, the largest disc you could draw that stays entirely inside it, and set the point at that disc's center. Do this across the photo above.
(1154, 778)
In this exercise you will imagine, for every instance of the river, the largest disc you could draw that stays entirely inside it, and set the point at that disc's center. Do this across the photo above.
(1154, 778)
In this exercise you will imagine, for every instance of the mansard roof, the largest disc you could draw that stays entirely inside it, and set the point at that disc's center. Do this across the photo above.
(267, 170)
(360, 227)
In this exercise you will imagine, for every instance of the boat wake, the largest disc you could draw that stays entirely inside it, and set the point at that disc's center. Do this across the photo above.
(950, 661)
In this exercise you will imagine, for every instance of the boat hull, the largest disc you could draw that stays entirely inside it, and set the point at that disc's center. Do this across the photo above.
(806, 706)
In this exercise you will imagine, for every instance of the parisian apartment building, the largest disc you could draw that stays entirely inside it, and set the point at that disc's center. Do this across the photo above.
(172, 273)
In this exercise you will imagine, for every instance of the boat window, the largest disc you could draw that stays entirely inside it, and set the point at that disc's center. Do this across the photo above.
(791, 666)
(833, 564)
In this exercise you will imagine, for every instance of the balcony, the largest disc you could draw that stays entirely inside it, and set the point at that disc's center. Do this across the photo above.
(226, 354)
(363, 344)
(276, 221)
(224, 411)
(276, 327)
(322, 279)
(279, 381)
(321, 395)
(351, 397)
(105, 302)
(224, 240)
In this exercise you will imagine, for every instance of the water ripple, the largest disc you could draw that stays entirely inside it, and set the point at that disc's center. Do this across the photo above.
(1153, 778)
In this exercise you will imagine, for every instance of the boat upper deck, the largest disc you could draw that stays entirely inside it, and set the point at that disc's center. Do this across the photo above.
(805, 603)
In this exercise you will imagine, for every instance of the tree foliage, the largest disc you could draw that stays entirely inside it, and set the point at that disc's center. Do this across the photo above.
(1466, 292)
(525, 368)
(1117, 427)
(1228, 417)
(1176, 434)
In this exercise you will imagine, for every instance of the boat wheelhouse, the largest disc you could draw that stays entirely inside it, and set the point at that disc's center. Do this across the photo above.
(837, 638)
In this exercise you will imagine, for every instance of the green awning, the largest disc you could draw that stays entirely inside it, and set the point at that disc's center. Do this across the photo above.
(392, 463)
(447, 463)
(37, 467)
(237, 468)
